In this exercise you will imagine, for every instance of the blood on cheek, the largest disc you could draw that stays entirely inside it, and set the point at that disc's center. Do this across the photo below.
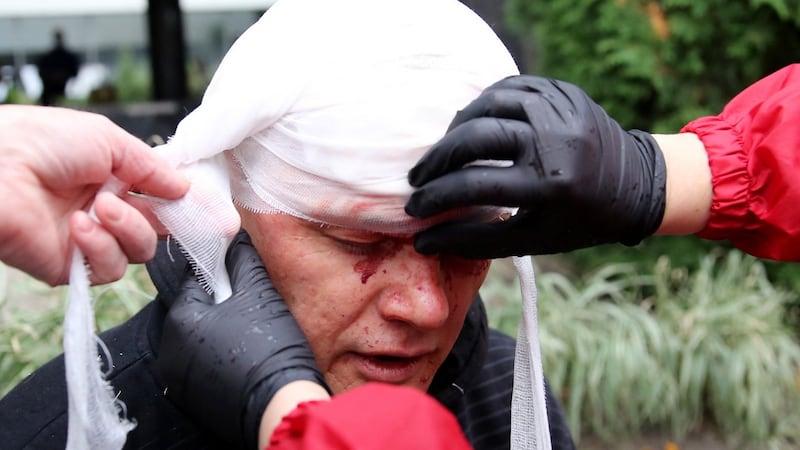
(369, 266)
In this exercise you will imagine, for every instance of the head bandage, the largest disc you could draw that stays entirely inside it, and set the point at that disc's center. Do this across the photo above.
(318, 111)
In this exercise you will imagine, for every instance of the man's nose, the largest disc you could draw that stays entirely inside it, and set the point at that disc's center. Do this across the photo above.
(418, 296)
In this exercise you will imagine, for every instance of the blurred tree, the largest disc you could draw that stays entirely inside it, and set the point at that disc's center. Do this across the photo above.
(657, 64)
(494, 13)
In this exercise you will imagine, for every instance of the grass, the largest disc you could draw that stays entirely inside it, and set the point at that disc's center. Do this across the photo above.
(31, 334)
(630, 350)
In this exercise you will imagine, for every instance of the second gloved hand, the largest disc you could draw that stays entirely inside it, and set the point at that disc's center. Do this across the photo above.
(223, 363)
(576, 176)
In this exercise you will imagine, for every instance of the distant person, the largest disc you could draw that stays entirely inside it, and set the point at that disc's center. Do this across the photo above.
(56, 67)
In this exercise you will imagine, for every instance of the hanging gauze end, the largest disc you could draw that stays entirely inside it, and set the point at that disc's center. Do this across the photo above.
(530, 428)
(96, 417)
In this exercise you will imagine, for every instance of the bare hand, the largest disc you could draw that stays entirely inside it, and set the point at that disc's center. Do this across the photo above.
(52, 163)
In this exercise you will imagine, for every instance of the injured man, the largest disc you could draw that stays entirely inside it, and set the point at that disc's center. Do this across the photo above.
(302, 146)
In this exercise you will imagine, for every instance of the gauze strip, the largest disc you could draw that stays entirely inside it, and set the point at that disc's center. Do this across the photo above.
(528, 405)
(94, 413)
(96, 419)
(319, 110)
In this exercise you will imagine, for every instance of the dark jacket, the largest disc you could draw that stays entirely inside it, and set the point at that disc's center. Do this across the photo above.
(474, 383)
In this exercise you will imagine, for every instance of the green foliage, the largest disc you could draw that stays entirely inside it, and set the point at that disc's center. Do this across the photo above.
(132, 81)
(684, 252)
(31, 336)
(198, 76)
(630, 350)
(655, 65)
(736, 352)
(17, 96)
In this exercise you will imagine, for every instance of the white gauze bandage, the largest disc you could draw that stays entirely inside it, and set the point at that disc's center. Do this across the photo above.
(319, 110)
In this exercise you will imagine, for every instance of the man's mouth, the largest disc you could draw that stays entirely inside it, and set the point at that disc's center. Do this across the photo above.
(388, 368)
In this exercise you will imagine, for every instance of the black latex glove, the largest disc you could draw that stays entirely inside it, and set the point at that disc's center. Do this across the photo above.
(576, 176)
(223, 363)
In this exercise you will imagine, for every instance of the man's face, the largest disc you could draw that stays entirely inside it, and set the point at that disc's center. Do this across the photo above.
(372, 308)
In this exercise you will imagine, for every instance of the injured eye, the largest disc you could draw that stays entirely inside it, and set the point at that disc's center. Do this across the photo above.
(364, 243)
(365, 248)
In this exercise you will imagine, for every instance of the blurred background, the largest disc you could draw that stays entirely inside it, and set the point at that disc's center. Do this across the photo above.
(674, 343)
(145, 64)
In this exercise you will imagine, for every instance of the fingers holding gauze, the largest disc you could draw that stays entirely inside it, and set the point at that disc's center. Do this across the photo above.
(483, 130)
(506, 99)
(565, 158)
(480, 139)
(120, 235)
(504, 160)
(477, 185)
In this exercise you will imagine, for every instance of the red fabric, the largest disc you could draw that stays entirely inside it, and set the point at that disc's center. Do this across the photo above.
(753, 148)
(372, 416)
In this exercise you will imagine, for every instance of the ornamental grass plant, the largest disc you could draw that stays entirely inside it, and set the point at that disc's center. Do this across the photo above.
(32, 313)
(669, 350)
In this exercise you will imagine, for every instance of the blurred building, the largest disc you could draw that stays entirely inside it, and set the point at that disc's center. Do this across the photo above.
(100, 31)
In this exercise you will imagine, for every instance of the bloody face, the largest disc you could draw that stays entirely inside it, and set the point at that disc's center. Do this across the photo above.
(372, 308)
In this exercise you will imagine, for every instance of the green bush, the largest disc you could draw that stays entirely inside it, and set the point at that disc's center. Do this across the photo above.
(629, 350)
(17, 96)
(655, 65)
(132, 80)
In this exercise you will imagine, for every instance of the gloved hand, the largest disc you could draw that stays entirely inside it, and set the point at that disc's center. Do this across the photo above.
(576, 176)
(223, 363)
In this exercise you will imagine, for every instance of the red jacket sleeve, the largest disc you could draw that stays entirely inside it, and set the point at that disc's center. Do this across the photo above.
(753, 149)
(372, 416)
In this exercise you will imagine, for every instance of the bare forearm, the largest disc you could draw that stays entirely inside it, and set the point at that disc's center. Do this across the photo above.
(285, 400)
(689, 189)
